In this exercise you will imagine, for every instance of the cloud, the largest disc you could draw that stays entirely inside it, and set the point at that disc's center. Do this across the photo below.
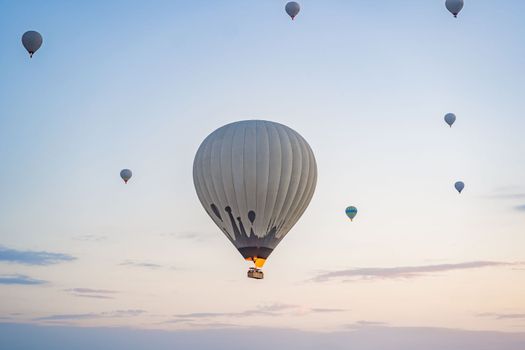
(372, 273)
(189, 235)
(32, 258)
(264, 310)
(92, 315)
(135, 263)
(520, 207)
(508, 196)
(91, 238)
(89, 290)
(500, 316)
(20, 280)
(326, 311)
(92, 293)
(360, 324)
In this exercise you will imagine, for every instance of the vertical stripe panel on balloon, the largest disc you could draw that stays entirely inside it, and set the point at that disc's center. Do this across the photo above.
(274, 172)
(263, 165)
(225, 161)
(250, 166)
(237, 169)
(286, 173)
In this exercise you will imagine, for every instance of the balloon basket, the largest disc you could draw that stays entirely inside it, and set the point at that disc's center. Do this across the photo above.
(255, 273)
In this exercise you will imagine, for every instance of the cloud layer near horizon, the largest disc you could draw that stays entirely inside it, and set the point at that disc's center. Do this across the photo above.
(362, 338)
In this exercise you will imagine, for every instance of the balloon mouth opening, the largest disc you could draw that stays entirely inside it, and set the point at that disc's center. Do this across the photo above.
(258, 262)
(257, 255)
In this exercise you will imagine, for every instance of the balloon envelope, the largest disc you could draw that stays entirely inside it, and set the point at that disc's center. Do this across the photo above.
(292, 9)
(459, 186)
(450, 118)
(351, 212)
(125, 174)
(255, 179)
(454, 6)
(32, 41)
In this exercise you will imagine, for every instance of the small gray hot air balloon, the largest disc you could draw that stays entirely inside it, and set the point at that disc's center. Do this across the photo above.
(450, 118)
(292, 9)
(32, 41)
(459, 186)
(454, 6)
(125, 174)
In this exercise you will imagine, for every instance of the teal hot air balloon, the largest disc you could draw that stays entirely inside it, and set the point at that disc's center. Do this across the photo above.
(351, 212)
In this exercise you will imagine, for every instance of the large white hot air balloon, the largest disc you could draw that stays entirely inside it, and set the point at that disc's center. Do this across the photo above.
(32, 41)
(255, 179)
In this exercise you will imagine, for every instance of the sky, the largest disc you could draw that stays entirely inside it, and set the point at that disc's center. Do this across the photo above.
(140, 84)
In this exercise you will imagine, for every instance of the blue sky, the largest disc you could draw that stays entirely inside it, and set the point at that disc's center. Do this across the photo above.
(135, 84)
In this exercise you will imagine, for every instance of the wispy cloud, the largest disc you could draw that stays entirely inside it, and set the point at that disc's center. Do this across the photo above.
(264, 310)
(92, 315)
(28, 257)
(371, 273)
(90, 238)
(135, 263)
(503, 316)
(189, 235)
(361, 324)
(20, 280)
(519, 195)
(92, 293)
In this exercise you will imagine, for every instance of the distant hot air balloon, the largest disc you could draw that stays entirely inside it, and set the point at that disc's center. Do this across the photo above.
(454, 6)
(32, 41)
(450, 118)
(351, 212)
(459, 186)
(292, 9)
(255, 179)
(125, 174)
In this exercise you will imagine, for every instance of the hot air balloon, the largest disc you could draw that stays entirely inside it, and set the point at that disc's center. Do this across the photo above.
(125, 174)
(255, 179)
(32, 41)
(459, 186)
(450, 118)
(292, 9)
(351, 212)
(454, 6)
